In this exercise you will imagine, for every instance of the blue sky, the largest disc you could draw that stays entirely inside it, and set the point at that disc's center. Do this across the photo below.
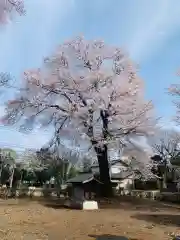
(148, 29)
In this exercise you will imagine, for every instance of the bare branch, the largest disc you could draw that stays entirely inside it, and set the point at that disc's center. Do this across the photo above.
(168, 146)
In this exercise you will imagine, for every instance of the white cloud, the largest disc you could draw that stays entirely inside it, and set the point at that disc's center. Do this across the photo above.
(168, 124)
(24, 43)
(14, 139)
(153, 22)
(30, 38)
(10, 137)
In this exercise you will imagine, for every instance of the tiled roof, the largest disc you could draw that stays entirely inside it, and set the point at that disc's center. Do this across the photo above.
(122, 175)
(111, 163)
(87, 177)
(81, 178)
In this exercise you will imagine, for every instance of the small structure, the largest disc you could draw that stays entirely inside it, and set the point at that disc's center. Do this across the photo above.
(84, 186)
(122, 182)
(87, 186)
(82, 191)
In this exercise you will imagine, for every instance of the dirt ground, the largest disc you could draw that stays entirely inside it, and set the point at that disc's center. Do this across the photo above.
(120, 220)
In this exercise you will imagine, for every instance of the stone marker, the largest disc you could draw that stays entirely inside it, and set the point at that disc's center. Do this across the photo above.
(83, 205)
(90, 205)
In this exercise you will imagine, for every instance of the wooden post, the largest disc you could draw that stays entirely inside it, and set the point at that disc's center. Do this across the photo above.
(1, 171)
(11, 179)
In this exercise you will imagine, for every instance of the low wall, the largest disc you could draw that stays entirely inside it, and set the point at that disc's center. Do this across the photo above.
(52, 192)
(150, 194)
(35, 192)
(155, 195)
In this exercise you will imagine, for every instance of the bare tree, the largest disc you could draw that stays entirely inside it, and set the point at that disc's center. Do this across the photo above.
(167, 146)
(88, 86)
(174, 90)
(167, 150)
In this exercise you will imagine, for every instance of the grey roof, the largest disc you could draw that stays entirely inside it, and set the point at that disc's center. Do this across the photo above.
(96, 164)
(87, 177)
(81, 178)
(121, 175)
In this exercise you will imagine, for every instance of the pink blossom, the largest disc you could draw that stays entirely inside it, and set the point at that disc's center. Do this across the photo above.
(7, 7)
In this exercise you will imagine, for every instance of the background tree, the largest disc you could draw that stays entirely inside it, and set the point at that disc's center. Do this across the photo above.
(59, 167)
(33, 170)
(88, 86)
(166, 146)
(8, 158)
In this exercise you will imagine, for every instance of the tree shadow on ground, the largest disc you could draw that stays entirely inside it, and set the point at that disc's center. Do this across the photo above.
(110, 237)
(136, 204)
(125, 203)
(52, 203)
(58, 204)
(16, 201)
(162, 219)
(47, 202)
(119, 203)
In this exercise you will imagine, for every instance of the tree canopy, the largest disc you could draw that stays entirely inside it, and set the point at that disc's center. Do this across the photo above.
(89, 86)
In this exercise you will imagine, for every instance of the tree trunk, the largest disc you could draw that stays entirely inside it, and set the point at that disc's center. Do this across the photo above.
(165, 181)
(102, 154)
(160, 184)
(11, 178)
(1, 168)
(106, 187)
(165, 175)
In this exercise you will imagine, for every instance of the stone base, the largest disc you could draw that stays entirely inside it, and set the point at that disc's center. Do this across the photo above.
(90, 205)
(73, 203)
(83, 205)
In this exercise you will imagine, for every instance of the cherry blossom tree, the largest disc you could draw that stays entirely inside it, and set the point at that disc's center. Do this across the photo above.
(90, 87)
(8, 7)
